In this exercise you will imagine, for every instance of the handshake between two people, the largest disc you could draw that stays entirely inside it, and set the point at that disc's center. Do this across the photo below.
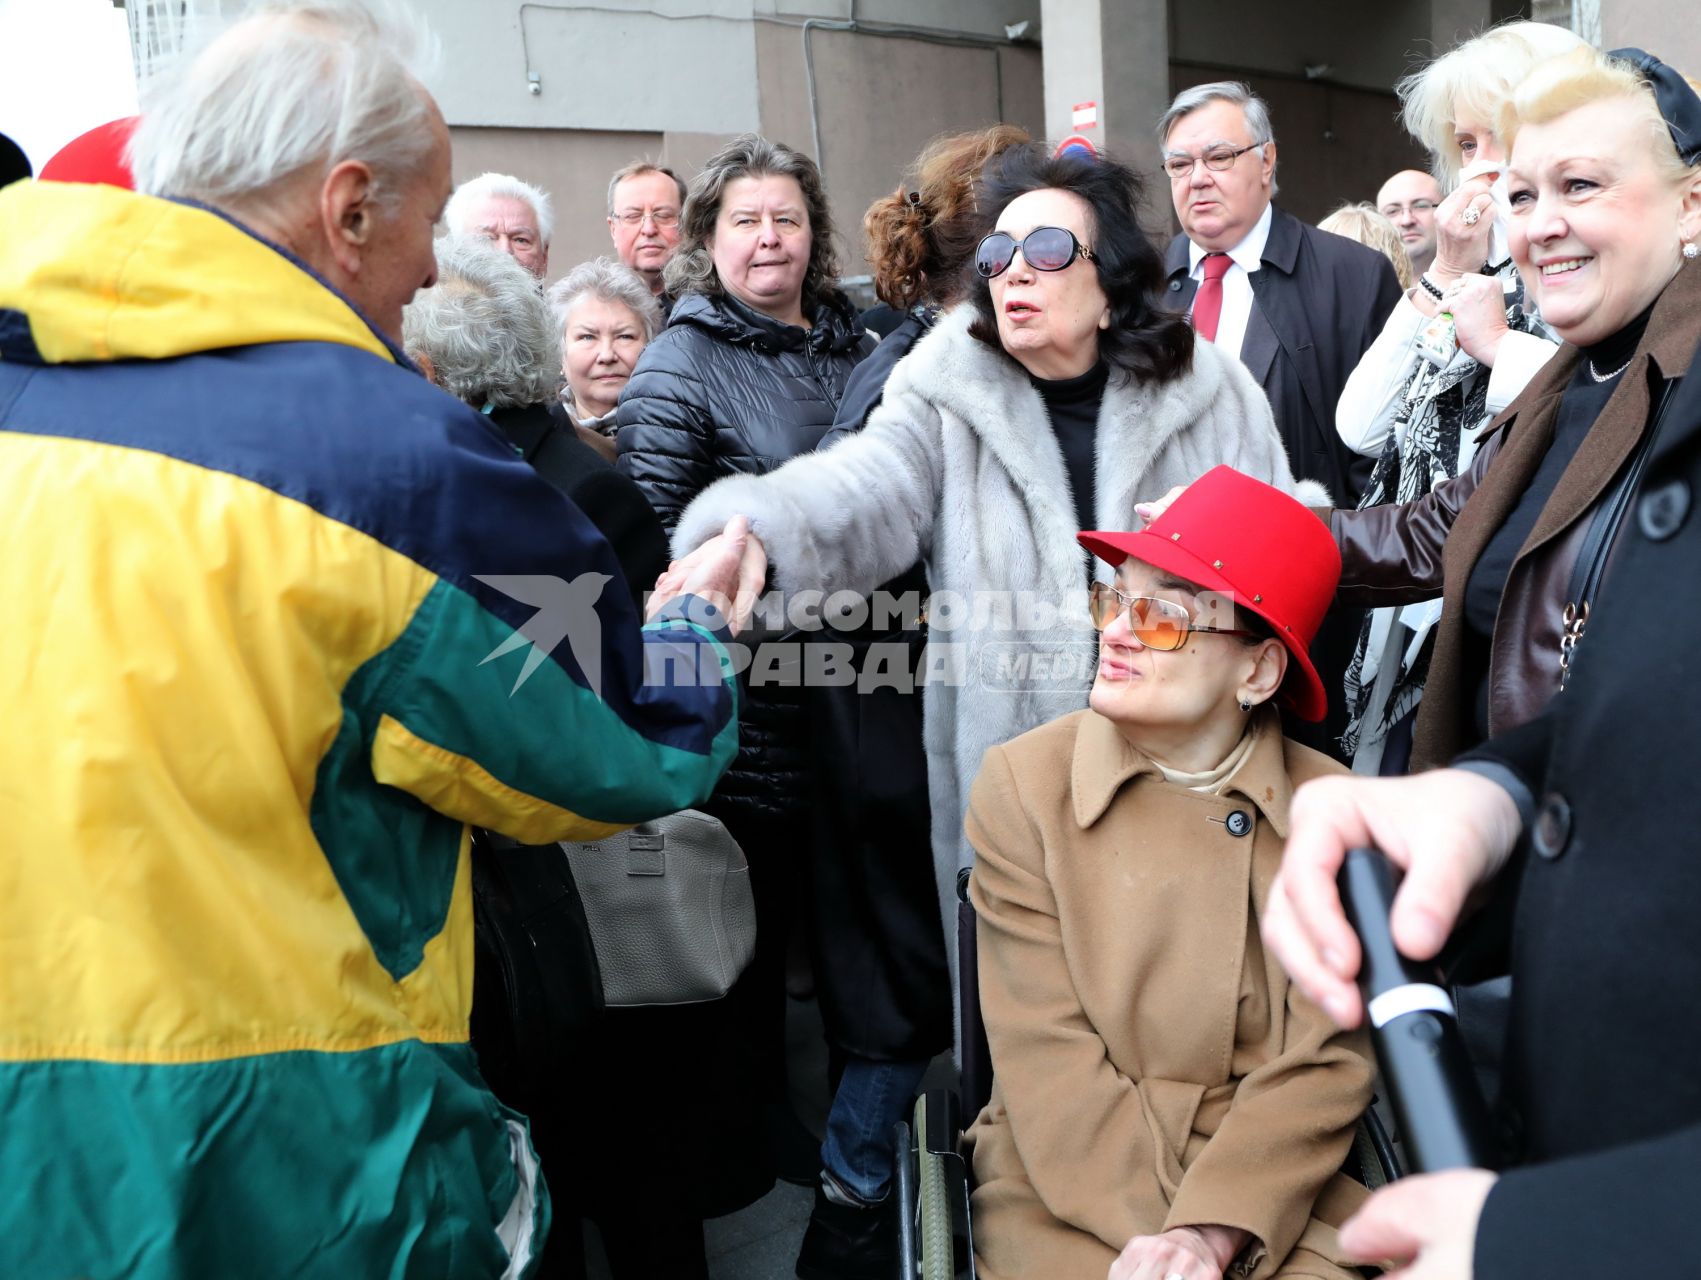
(729, 571)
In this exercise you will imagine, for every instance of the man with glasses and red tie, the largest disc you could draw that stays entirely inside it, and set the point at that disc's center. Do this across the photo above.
(1297, 305)
(645, 202)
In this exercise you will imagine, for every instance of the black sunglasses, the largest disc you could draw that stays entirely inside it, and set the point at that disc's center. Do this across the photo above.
(1043, 249)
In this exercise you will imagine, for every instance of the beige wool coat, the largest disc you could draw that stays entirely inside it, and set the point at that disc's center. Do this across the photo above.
(1152, 1065)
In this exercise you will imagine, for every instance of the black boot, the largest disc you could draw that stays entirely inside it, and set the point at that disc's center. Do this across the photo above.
(849, 1242)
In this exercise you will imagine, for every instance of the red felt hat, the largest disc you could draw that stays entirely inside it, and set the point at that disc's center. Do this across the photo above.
(96, 156)
(1251, 542)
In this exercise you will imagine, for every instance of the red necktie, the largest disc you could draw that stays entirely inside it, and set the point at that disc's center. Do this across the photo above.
(1208, 304)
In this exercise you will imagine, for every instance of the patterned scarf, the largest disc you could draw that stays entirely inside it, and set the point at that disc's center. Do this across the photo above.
(1437, 409)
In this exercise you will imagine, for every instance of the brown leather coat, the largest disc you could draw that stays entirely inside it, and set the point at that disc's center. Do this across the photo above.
(1397, 555)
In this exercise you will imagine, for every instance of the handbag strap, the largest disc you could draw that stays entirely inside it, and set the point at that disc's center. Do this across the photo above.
(1591, 562)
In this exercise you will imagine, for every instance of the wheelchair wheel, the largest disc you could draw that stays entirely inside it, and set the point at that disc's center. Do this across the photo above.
(937, 1260)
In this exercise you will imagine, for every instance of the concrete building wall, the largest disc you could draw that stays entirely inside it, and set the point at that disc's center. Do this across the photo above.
(1347, 42)
(1666, 28)
(879, 101)
(621, 71)
(673, 80)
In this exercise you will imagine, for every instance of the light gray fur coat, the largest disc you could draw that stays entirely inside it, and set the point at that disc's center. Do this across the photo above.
(958, 466)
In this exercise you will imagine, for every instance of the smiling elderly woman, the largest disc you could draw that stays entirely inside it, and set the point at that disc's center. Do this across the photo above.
(1056, 397)
(1160, 1090)
(1605, 217)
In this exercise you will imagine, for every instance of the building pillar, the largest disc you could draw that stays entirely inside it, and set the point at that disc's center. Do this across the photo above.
(1114, 53)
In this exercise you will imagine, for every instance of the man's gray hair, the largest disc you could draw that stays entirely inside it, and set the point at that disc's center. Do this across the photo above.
(637, 169)
(485, 328)
(1256, 111)
(297, 86)
(498, 186)
(612, 282)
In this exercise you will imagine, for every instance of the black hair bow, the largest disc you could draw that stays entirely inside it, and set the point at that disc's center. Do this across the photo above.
(1679, 106)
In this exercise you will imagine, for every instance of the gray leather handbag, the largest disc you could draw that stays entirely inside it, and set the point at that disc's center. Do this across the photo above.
(670, 910)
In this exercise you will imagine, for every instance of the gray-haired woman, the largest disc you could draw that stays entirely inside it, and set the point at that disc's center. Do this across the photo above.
(606, 316)
(481, 332)
(485, 335)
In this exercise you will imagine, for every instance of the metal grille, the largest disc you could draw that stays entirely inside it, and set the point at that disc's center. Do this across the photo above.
(160, 30)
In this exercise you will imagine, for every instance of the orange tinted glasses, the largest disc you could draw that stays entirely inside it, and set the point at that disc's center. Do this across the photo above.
(1158, 624)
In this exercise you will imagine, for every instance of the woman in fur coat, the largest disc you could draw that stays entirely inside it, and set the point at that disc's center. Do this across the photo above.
(1054, 399)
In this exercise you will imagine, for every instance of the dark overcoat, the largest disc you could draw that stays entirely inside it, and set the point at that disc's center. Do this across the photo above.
(881, 978)
(1601, 1076)
(726, 390)
(1320, 301)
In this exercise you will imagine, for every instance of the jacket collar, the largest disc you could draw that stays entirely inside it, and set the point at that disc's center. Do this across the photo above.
(1104, 762)
(100, 274)
(1248, 255)
(836, 324)
(1669, 344)
(988, 393)
(1281, 247)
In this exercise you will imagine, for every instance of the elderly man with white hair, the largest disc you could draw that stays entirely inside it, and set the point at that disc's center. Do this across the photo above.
(513, 215)
(283, 620)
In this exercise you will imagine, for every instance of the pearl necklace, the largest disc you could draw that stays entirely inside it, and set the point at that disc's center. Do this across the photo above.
(1608, 377)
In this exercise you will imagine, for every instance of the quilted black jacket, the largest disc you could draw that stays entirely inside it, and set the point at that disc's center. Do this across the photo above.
(726, 390)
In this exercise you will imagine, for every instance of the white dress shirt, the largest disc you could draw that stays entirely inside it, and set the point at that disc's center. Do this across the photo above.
(1248, 256)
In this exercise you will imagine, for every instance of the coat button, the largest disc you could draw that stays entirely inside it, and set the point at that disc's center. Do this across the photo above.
(1239, 823)
(1663, 509)
(1175, 286)
(1552, 827)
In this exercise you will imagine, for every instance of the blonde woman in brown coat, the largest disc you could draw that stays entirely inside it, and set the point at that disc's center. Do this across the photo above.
(1165, 1104)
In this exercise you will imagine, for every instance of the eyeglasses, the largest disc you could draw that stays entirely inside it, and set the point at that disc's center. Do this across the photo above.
(1043, 249)
(1217, 159)
(1158, 624)
(1416, 206)
(661, 217)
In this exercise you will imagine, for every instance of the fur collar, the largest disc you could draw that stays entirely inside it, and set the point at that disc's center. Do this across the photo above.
(988, 393)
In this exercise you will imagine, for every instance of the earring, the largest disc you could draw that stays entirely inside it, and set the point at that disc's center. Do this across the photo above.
(1691, 249)
(1246, 704)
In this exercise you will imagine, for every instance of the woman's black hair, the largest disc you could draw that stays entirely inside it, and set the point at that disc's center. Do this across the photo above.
(1145, 341)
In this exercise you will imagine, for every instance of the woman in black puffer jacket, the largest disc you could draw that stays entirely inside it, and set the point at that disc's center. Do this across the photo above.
(748, 374)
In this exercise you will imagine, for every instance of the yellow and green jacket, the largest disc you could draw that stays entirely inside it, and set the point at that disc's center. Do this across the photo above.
(262, 663)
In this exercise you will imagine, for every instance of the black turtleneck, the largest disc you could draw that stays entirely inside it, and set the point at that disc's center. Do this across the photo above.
(1585, 396)
(1073, 406)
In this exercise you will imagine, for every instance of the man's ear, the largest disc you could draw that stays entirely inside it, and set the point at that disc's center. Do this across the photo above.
(347, 213)
(1269, 161)
(425, 366)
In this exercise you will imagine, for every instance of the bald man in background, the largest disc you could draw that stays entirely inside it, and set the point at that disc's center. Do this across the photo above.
(1408, 200)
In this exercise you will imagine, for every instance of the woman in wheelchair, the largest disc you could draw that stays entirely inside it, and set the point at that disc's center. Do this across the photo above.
(1165, 1104)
